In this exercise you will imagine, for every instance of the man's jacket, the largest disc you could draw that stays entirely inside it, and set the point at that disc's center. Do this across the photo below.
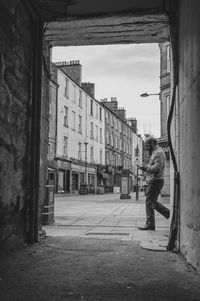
(156, 166)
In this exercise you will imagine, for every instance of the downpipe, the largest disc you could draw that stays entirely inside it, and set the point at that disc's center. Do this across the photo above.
(176, 197)
(174, 226)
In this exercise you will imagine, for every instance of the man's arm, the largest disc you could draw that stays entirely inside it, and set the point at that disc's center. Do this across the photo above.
(157, 165)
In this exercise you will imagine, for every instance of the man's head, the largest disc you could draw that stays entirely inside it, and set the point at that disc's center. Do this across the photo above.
(150, 143)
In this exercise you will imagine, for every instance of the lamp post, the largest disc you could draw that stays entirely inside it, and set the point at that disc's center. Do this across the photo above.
(115, 163)
(137, 159)
(148, 94)
(86, 143)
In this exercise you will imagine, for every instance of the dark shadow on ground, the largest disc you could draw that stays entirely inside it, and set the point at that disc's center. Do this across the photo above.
(68, 268)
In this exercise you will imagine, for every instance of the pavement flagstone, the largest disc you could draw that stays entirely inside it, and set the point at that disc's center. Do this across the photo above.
(107, 216)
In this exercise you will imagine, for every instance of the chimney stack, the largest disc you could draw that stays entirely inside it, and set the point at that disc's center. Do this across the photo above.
(133, 123)
(89, 88)
(73, 69)
(122, 113)
(112, 104)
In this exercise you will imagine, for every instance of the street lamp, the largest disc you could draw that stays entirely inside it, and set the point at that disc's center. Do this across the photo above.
(147, 94)
(115, 158)
(115, 163)
(86, 143)
(137, 159)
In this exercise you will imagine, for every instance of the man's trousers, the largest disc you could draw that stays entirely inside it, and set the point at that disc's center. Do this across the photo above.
(152, 193)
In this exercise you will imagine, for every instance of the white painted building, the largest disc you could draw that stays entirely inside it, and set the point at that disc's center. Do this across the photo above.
(80, 134)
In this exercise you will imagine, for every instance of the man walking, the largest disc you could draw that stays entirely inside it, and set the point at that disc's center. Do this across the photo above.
(155, 181)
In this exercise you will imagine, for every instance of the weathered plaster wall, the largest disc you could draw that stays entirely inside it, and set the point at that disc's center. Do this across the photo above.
(15, 107)
(189, 102)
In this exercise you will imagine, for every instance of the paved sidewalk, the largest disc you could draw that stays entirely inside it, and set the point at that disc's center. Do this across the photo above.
(105, 217)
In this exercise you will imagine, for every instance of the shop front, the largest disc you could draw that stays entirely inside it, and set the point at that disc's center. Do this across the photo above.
(83, 176)
(63, 181)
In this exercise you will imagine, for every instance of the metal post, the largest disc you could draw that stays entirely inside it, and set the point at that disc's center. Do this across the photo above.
(86, 143)
(137, 187)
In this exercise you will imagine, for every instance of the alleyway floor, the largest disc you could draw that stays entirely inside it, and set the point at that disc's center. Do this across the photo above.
(81, 260)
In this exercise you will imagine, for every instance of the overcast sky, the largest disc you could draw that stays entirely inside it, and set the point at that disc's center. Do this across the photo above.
(124, 72)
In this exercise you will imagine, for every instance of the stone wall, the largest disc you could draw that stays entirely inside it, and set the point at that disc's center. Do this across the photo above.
(15, 107)
(44, 132)
(17, 45)
(189, 106)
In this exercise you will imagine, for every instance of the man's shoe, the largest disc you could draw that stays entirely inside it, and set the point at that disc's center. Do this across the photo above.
(147, 227)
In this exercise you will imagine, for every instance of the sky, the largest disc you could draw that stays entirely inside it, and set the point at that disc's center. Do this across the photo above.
(124, 72)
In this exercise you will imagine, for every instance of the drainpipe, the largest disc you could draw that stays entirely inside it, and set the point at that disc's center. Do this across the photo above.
(175, 222)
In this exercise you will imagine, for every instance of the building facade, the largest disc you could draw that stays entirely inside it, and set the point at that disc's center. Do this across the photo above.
(90, 142)
(119, 143)
(80, 127)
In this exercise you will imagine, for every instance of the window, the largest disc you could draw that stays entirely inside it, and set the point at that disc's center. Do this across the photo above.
(111, 120)
(82, 177)
(50, 99)
(80, 99)
(96, 111)
(96, 132)
(121, 144)
(49, 150)
(79, 151)
(117, 124)
(91, 106)
(114, 122)
(74, 96)
(167, 99)
(111, 136)
(73, 120)
(100, 114)
(124, 147)
(101, 156)
(107, 158)
(128, 147)
(106, 116)
(168, 57)
(119, 127)
(65, 145)
(80, 124)
(101, 135)
(66, 116)
(91, 154)
(107, 138)
(114, 141)
(91, 130)
(66, 93)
